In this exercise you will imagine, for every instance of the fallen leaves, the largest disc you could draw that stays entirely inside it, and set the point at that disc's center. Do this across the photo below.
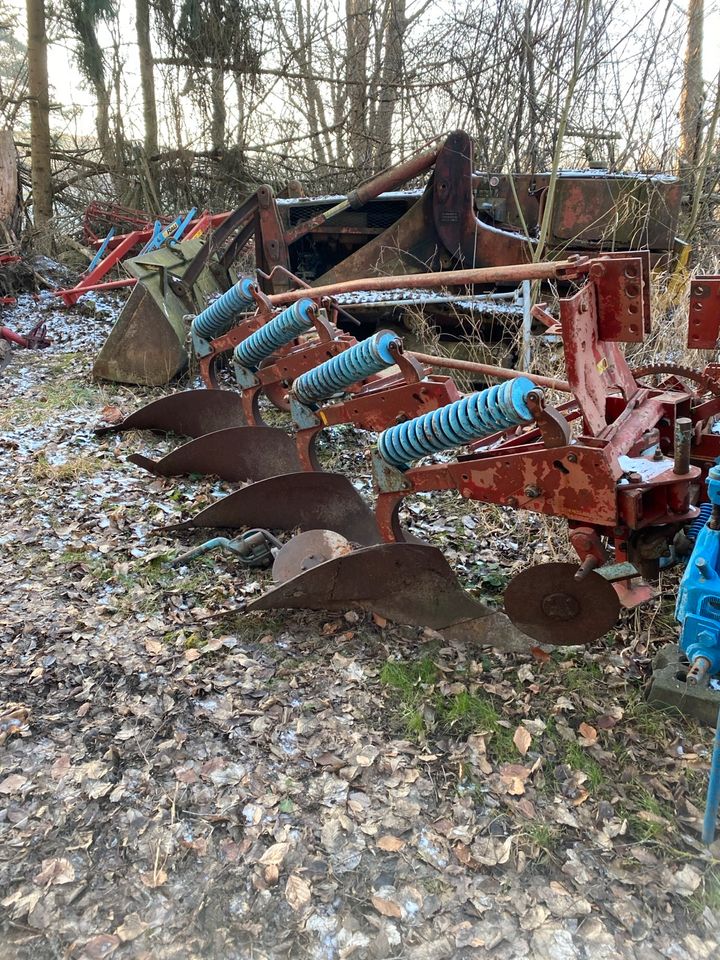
(522, 740)
(514, 776)
(55, 871)
(14, 721)
(275, 854)
(152, 879)
(388, 908)
(685, 881)
(13, 784)
(391, 844)
(297, 892)
(111, 414)
(255, 773)
(588, 735)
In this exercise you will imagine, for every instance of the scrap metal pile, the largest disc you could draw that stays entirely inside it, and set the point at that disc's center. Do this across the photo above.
(622, 459)
(459, 220)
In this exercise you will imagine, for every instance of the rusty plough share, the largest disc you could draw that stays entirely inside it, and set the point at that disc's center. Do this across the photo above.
(623, 462)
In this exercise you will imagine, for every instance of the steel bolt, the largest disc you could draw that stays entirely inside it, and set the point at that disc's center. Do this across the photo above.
(572, 457)
(532, 492)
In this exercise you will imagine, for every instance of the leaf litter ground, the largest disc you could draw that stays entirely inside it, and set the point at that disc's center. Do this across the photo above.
(178, 779)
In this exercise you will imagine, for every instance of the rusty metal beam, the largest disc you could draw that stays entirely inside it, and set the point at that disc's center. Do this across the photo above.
(515, 273)
(488, 370)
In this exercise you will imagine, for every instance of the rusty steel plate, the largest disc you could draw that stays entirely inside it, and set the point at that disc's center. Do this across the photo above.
(306, 551)
(548, 603)
(408, 583)
(293, 501)
(238, 453)
(191, 413)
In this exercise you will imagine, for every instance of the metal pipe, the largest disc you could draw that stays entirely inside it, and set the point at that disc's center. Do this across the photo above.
(683, 437)
(487, 370)
(452, 278)
(386, 180)
(712, 800)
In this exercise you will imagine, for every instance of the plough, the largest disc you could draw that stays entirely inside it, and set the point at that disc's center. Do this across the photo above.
(624, 462)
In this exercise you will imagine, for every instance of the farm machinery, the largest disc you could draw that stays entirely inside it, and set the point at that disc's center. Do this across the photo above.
(622, 456)
(461, 219)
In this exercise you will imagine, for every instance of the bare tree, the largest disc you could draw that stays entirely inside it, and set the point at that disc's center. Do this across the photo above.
(147, 77)
(39, 113)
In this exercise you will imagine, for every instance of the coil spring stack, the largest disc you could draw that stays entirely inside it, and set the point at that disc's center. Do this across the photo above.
(281, 330)
(472, 418)
(220, 316)
(359, 362)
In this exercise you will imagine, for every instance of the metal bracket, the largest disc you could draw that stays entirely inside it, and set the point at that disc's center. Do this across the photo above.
(704, 313)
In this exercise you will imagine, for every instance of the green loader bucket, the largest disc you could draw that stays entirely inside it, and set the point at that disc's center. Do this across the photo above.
(147, 344)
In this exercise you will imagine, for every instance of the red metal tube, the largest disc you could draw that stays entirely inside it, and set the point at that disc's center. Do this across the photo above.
(387, 180)
(488, 370)
(452, 278)
(7, 334)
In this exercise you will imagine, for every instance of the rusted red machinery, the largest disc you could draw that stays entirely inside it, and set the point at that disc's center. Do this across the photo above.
(461, 219)
(623, 462)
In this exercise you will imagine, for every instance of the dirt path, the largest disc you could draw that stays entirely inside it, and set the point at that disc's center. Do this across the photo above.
(180, 780)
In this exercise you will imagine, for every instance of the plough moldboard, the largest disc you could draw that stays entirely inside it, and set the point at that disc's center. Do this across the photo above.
(622, 460)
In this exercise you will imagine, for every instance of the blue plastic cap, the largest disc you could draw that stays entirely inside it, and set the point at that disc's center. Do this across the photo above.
(247, 285)
(383, 340)
(519, 388)
(304, 308)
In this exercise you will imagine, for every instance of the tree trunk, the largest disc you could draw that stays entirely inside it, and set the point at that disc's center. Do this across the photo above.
(691, 102)
(39, 113)
(358, 37)
(219, 114)
(147, 77)
(395, 27)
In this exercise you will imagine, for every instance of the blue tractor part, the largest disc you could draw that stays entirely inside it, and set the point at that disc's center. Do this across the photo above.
(698, 611)
(353, 365)
(254, 548)
(219, 317)
(472, 418)
(698, 602)
(282, 329)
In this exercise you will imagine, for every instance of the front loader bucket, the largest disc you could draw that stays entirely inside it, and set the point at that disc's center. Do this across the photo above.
(147, 344)
(189, 413)
(304, 501)
(408, 583)
(238, 453)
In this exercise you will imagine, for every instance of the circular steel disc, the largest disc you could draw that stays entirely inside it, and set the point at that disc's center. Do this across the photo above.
(307, 550)
(547, 603)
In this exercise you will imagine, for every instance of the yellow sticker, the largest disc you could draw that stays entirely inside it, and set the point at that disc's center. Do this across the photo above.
(323, 418)
(603, 365)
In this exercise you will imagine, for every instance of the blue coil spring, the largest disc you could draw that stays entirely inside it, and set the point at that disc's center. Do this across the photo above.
(458, 423)
(276, 333)
(217, 319)
(358, 362)
(700, 520)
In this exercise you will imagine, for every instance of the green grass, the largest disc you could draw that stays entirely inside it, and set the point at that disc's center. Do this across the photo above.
(649, 819)
(422, 707)
(584, 676)
(408, 677)
(578, 758)
(707, 896)
(651, 720)
(59, 395)
(542, 835)
(43, 470)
